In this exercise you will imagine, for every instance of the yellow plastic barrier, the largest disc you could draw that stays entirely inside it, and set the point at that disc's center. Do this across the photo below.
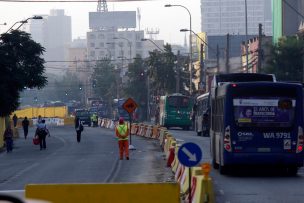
(2, 129)
(202, 190)
(175, 162)
(155, 132)
(105, 193)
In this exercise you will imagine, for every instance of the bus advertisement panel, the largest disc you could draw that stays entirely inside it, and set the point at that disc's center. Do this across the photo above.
(264, 112)
(257, 123)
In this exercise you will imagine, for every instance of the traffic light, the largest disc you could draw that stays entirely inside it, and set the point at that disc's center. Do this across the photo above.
(80, 87)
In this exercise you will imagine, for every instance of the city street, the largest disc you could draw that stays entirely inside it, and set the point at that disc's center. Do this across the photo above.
(251, 185)
(93, 160)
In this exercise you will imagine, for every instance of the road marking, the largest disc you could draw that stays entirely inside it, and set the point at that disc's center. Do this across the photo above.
(20, 173)
(222, 192)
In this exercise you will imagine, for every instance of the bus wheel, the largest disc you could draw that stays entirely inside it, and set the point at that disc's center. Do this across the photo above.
(214, 164)
(186, 128)
(199, 133)
(292, 170)
(223, 169)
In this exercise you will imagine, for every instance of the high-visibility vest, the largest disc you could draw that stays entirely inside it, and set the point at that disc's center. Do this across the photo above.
(122, 131)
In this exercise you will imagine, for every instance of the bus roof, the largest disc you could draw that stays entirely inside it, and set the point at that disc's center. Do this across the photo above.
(242, 77)
(262, 88)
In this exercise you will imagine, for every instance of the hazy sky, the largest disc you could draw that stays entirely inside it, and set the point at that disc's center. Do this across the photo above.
(153, 15)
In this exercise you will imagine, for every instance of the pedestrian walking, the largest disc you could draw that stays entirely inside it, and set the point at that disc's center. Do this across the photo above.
(15, 120)
(39, 119)
(25, 125)
(8, 138)
(78, 128)
(42, 132)
(122, 133)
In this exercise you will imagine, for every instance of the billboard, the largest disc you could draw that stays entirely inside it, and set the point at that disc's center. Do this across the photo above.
(118, 19)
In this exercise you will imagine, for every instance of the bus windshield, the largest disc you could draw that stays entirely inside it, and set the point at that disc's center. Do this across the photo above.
(177, 101)
(264, 112)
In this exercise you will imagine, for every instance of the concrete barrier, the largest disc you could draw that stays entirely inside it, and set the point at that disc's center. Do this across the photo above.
(105, 193)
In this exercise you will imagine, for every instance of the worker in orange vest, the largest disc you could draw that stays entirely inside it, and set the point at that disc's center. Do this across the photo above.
(122, 133)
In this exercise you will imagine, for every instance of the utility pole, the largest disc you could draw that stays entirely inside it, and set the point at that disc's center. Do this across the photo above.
(227, 53)
(202, 70)
(217, 58)
(260, 49)
(177, 67)
(148, 95)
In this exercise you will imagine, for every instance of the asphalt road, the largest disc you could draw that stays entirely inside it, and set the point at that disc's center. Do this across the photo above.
(93, 160)
(249, 185)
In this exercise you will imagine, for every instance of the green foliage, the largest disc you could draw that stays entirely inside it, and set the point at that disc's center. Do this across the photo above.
(136, 88)
(106, 78)
(21, 66)
(164, 72)
(286, 59)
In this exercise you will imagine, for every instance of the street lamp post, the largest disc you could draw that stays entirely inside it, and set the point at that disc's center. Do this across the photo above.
(23, 22)
(190, 41)
(145, 39)
(216, 51)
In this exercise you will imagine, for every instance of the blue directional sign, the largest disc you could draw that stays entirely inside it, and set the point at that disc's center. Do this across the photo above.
(189, 154)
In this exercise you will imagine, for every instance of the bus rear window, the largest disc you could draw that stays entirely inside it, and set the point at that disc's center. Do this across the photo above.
(264, 112)
(180, 102)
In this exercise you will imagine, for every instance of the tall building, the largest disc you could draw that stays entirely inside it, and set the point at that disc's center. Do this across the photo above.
(114, 44)
(220, 17)
(54, 33)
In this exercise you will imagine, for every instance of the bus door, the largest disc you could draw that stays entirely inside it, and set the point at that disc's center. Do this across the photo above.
(264, 124)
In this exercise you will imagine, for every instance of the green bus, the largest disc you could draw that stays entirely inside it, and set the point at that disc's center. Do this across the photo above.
(175, 110)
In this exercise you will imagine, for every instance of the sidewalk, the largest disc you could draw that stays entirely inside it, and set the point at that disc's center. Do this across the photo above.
(147, 164)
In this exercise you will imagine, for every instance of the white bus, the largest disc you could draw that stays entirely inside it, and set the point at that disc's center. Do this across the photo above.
(201, 111)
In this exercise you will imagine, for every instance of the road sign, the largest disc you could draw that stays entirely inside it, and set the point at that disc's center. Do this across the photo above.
(189, 154)
(129, 105)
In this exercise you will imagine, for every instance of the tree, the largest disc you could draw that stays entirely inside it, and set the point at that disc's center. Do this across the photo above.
(286, 59)
(137, 85)
(165, 70)
(21, 66)
(106, 80)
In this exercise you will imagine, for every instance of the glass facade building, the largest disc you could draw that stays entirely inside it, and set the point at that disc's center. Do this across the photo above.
(220, 17)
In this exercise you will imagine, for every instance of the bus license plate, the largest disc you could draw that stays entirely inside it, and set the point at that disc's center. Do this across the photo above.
(264, 150)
